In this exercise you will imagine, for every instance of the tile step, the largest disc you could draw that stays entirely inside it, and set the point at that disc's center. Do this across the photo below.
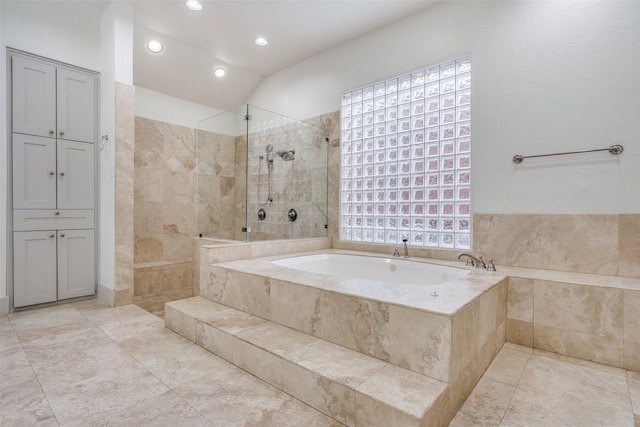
(352, 388)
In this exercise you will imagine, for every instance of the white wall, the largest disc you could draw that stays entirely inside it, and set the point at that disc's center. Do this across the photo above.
(165, 108)
(548, 77)
(53, 32)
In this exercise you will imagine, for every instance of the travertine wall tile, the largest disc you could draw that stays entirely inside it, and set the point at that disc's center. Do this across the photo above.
(520, 299)
(577, 344)
(520, 332)
(580, 243)
(124, 192)
(427, 352)
(629, 244)
(632, 316)
(592, 310)
(165, 209)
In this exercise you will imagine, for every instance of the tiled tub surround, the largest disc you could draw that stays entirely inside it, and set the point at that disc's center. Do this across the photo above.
(213, 251)
(590, 317)
(460, 331)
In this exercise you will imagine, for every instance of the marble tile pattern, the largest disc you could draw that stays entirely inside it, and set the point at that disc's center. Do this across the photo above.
(591, 319)
(124, 192)
(59, 368)
(331, 124)
(88, 364)
(165, 205)
(300, 184)
(216, 181)
(371, 318)
(535, 388)
(161, 276)
(354, 389)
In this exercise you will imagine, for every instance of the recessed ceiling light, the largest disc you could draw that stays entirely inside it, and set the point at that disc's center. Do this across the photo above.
(154, 46)
(193, 4)
(261, 41)
(219, 71)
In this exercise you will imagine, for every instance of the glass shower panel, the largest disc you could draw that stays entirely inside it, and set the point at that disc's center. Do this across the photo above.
(286, 177)
(255, 169)
(221, 197)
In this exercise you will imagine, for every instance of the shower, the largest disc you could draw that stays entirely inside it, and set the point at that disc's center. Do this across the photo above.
(269, 149)
(249, 181)
(287, 156)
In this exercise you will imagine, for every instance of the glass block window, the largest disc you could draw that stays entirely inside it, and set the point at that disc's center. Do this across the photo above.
(406, 159)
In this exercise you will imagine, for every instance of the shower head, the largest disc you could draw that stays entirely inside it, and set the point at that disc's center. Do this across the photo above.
(287, 155)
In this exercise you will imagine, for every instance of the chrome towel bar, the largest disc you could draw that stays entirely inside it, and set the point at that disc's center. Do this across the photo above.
(614, 149)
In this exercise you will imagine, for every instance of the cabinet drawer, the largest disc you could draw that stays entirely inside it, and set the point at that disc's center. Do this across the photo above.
(50, 219)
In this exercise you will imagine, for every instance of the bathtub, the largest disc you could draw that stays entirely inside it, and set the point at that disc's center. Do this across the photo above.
(390, 270)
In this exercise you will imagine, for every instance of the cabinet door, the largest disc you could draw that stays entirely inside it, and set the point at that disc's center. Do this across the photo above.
(34, 97)
(75, 175)
(76, 274)
(34, 172)
(34, 267)
(76, 106)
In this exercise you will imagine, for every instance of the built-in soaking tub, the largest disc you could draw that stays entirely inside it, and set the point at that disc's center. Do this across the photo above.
(434, 317)
(389, 270)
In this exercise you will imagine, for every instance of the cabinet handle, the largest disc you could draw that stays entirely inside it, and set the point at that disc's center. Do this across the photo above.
(61, 173)
(61, 133)
(51, 132)
(51, 236)
(62, 235)
(52, 173)
(57, 213)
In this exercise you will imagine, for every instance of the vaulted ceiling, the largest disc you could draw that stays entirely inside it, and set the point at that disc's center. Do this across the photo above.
(223, 34)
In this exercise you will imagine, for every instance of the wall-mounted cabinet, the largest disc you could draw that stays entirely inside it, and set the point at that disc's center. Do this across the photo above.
(53, 181)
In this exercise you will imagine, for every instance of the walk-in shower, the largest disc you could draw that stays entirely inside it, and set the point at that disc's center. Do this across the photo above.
(255, 168)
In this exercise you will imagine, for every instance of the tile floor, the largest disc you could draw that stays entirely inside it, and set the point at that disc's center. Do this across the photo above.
(84, 364)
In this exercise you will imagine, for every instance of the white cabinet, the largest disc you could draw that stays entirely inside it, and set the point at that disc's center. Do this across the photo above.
(76, 264)
(50, 174)
(34, 97)
(34, 267)
(52, 265)
(53, 136)
(53, 102)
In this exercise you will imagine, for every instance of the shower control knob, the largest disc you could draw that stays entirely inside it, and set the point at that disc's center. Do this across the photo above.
(292, 214)
(262, 214)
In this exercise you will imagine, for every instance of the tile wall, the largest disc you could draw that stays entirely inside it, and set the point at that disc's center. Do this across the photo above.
(164, 205)
(124, 178)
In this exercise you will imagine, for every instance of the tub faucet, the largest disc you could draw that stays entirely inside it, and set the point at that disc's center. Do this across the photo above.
(478, 263)
(406, 248)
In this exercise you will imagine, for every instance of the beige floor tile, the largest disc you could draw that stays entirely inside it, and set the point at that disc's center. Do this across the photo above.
(50, 349)
(633, 380)
(557, 392)
(100, 381)
(225, 398)
(57, 366)
(185, 365)
(508, 365)
(166, 409)
(487, 403)
(22, 400)
(281, 411)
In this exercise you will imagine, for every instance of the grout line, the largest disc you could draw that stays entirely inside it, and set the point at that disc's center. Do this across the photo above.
(516, 387)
